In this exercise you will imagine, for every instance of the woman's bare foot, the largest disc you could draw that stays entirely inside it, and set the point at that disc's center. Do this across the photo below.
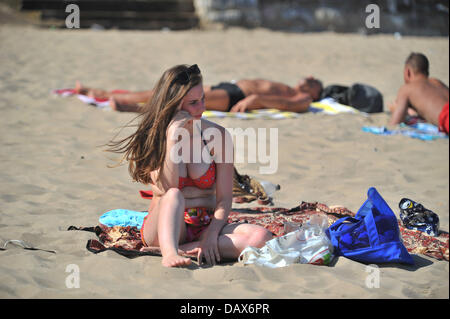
(95, 93)
(113, 105)
(175, 261)
(79, 89)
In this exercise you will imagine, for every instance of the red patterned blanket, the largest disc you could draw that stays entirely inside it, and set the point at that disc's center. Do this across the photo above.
(127, 242)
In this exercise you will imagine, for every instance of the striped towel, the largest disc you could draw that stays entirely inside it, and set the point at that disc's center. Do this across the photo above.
(327, 106)
(422, 131)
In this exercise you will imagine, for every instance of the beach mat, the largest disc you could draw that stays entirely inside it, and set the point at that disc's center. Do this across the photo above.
(422, 131)
(327, 106)
(127, 241)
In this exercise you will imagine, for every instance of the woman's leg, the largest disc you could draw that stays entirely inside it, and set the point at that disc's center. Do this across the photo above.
(165, 228)
(234, 238)
(132, 98)
(122, 102)
(118, 105)
(92, 92)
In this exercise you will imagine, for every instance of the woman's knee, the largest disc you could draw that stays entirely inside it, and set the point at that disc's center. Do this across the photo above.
(174, 195)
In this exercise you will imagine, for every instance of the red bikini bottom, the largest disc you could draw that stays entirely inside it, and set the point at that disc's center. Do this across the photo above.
(196, 219)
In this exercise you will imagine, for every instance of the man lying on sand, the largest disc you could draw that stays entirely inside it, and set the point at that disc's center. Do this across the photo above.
(242, 96)
(421, 95)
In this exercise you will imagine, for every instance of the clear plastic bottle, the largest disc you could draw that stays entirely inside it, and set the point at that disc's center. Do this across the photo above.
(269, 188)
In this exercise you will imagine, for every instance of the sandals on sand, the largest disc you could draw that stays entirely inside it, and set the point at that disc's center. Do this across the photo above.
(24, 245)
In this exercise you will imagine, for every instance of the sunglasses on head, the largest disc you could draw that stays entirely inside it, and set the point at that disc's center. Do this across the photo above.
(185, 76)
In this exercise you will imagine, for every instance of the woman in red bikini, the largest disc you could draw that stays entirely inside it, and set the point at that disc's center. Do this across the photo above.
(191, 200)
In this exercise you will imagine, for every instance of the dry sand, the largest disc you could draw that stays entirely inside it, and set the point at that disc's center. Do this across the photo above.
(54, 174)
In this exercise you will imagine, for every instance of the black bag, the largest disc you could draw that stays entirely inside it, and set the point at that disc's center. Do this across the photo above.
(363, 97)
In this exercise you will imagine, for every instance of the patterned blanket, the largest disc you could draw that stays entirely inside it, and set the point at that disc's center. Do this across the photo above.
(127, 242)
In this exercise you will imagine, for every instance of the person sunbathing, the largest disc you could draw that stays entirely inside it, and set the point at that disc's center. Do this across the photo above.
(421, 95)
(191, 199)
(242, 96)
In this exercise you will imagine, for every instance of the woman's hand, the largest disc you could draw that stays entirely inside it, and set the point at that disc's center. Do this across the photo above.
(207, 249)
(181, 119)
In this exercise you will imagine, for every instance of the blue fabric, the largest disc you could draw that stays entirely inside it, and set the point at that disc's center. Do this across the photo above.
(423, 131)
(123, 217)
(372, 236)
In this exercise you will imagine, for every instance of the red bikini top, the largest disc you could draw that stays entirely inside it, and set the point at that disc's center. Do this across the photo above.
(207, 180)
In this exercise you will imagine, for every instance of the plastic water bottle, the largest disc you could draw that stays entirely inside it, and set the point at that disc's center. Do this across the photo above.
(269, 188)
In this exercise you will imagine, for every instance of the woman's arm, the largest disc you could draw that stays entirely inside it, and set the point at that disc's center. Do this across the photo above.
(299, 103)
(170, 176)
(224, 196)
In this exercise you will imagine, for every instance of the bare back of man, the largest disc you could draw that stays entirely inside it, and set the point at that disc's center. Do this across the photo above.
(265, 87)
(275, 93)
(427, 96)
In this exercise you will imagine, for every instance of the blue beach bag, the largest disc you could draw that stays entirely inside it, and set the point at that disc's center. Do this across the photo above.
(372, 236)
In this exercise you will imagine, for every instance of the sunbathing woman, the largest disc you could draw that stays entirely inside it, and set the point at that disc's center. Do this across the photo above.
(244, 95)
(192, 200)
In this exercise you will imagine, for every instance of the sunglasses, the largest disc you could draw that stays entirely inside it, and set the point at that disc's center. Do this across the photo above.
(185, 76)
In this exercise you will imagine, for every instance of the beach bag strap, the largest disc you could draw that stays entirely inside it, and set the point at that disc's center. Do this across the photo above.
(375, 200)
(372, 230)
(335, 231)
(338, 228)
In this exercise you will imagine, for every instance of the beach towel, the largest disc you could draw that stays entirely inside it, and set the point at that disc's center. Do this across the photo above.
(422, 131)
(326, 105)
(127, 241)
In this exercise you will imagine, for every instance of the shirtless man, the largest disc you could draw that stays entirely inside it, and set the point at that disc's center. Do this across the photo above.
(242, 96)
(428, 97)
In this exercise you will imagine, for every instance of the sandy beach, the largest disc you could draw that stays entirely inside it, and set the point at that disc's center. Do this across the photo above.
(54, 169)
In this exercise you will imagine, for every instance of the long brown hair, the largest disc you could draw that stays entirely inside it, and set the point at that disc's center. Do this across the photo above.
(145, 149)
